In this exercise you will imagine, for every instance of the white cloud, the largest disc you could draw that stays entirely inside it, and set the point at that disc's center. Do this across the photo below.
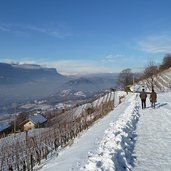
(156, 44)
(21, 61)
(34, 28)
(4, 29)
(112, 58)
(59, 34)
(20, 29)
(78, 66)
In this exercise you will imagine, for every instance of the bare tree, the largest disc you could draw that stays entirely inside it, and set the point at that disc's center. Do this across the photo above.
(166, 62)
(150, 74)
(125, 78)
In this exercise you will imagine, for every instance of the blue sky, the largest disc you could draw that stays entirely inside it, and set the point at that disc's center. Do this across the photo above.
(85, 36)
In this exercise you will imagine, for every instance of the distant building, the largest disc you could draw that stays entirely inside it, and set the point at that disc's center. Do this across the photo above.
(5, 128)
(34, 121)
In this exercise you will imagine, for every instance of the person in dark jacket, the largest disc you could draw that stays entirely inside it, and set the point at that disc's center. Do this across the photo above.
(143, 96)
(153, 98)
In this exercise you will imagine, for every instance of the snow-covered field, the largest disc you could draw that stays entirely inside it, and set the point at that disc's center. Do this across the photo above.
(128, 138)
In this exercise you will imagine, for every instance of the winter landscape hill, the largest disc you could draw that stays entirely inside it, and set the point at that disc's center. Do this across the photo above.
(128, 138)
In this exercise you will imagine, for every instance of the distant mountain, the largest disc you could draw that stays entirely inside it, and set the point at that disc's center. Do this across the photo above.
(83, 88)
(23, 83)
(20, 83)
(91, 83)
(15, 73)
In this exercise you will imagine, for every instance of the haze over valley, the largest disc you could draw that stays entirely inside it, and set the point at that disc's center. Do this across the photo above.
(26, 83)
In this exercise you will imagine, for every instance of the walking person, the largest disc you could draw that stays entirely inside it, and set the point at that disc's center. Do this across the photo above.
(143, 96)
(153, 98)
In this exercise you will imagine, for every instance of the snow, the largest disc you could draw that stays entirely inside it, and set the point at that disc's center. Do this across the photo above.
(20, 136)
(128, 138)
(43, 107)
(28, 106)
(72, 158)
(27, 66)
(116, 144)
(79, 93)
(3, 126)
(38, 118)
(154, 136)
(98, 102)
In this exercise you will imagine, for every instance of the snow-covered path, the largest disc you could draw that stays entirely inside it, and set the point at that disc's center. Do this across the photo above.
(152, 148)
(116, 148)
(75, 157)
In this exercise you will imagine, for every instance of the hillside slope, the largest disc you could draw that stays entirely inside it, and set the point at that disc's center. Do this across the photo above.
(128, 138)
(162, 82)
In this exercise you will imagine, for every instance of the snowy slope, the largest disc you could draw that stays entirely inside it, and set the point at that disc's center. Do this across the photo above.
(128, 138)
(117, 145)
(92, 142)
(162, 82)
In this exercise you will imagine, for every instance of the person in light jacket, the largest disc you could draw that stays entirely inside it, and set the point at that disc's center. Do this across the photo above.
(143, 96)
(153, 98)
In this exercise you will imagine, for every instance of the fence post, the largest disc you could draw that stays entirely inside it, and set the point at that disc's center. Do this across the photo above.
(31, 160)
(27, 158)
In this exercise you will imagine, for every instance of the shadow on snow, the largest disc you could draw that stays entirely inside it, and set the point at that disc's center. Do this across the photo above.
(124, 157)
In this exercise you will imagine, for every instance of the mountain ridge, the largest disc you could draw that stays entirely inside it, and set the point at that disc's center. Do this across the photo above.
(28, 82)
(16, 73)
